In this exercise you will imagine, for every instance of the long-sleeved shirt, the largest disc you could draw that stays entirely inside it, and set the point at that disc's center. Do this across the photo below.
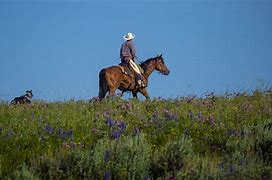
(127, 50)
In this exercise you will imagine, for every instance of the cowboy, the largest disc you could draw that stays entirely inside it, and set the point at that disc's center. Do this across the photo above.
(128, 54)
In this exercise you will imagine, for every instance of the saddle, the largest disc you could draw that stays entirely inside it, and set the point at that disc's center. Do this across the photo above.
(126, 70)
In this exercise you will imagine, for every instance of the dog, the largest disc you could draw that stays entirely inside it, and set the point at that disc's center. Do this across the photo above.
(24, 99)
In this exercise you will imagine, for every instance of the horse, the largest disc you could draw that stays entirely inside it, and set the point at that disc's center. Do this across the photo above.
(114, 77)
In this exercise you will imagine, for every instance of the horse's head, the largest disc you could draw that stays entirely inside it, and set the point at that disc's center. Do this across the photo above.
(160, 65)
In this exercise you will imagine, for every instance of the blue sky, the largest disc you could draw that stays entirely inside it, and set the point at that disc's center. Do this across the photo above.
(57, 48)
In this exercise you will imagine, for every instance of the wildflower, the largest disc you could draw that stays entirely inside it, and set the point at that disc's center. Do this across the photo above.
(170, 115)
(110, 122)
(122, 126)
(48, 129)
(116, 134)
(127, 106)
(70, 133)
(107, 175)
(171, 178)
(59, 131)
(64, 134)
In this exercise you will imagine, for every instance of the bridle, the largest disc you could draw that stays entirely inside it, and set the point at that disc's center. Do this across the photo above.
(160, 64)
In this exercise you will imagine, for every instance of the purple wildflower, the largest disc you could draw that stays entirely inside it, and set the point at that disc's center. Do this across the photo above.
(122, 126)
(171, 178)
(59, 131)
(127, 106)
(170, 116)
(64, 134)
(70, 133)
(110, 122)
(107, 175)
(48, 129)
(116, 134)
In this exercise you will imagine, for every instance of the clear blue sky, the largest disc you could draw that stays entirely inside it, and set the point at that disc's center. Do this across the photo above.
(57, 48)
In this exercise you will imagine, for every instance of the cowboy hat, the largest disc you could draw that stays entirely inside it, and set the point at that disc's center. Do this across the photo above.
(129, 36)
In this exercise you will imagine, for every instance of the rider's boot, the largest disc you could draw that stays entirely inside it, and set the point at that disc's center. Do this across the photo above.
(140, 82)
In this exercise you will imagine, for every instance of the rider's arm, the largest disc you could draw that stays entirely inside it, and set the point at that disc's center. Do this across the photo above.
(132, 50)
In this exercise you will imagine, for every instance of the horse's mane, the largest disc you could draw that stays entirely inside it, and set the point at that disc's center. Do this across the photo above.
(146, 62)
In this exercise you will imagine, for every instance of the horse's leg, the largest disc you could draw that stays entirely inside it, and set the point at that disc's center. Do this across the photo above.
(134, 93)
(112, 88)
(122, 93)
(143, 91)
(112, 85)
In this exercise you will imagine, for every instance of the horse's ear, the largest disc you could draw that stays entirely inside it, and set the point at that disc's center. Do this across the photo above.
(160, 55)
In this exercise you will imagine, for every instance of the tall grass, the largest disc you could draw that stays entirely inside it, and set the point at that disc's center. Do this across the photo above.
(212, 137)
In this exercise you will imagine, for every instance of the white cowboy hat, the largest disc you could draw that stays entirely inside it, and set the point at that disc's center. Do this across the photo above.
(129, 36)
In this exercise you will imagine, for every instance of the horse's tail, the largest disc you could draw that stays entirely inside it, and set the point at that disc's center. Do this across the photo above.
(102, 84)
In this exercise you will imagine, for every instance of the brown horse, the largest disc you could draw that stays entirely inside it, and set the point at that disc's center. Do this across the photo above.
(113, 78)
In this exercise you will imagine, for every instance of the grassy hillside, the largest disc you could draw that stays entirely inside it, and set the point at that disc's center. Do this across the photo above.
(228, 136)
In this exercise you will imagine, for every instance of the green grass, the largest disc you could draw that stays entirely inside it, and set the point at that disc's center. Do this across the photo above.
(216, 137)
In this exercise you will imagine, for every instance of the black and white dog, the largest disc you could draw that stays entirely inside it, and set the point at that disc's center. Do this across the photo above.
(24, 99)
